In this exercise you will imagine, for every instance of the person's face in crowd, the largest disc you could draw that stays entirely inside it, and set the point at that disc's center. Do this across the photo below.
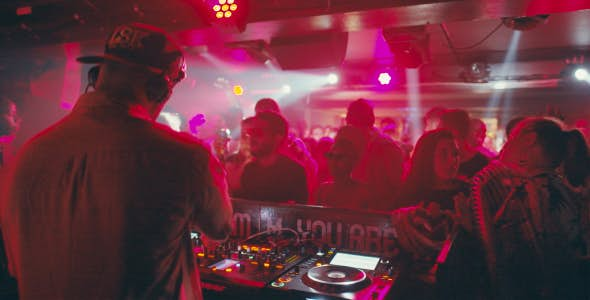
(244, 139)
(221, 141)
(341, 159)
(386, 123)
(431, 124)
(262, 141)
(477, 134)
(317, 133)
(393, 132)
(521, 150)
(446, 160)
(10, 120)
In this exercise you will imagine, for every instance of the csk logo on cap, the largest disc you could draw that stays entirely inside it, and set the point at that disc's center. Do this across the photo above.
(143, 45)
(127, 38)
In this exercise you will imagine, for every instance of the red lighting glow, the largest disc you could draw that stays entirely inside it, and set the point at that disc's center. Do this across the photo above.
(25, 11)
(224, 8)
(71, 79)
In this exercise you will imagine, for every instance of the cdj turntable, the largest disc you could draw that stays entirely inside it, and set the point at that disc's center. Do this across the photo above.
(292, 252)
(336, 279)
(276, 264)
(234, 268)
(337, 275)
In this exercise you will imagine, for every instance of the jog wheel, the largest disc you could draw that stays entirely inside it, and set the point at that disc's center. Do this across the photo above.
(336, 279)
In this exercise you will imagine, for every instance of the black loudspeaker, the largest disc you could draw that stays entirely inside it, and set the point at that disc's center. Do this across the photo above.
(409, 45)
(320, 50)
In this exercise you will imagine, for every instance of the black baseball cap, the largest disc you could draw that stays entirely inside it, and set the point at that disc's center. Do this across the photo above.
(145, 46)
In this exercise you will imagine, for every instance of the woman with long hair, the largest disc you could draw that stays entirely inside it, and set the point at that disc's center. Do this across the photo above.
(527, 217)
(431, 192)
(432, 175)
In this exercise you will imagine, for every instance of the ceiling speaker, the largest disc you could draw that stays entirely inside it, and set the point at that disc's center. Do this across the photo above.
(409, 45)
(320, 50)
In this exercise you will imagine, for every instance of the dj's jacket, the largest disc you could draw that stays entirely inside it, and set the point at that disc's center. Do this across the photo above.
(530, 229)
(100, 207)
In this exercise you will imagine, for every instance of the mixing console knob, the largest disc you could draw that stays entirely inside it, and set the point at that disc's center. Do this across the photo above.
(296, 270)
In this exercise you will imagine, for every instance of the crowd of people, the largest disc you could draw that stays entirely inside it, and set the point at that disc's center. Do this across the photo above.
(360, 160)
(101, 204)
(519, 216)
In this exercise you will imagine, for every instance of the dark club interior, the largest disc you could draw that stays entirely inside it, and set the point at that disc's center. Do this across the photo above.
(282, 149)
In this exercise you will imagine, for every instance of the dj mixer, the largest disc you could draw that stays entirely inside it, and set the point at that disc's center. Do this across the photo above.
(278, 265)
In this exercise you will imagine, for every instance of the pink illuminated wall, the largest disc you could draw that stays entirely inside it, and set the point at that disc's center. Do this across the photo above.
(52, 91)
(71, 78)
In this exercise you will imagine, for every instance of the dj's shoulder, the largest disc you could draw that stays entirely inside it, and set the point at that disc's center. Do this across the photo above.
(182, 139)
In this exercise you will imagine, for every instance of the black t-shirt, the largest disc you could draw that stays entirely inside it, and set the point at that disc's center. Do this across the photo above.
(284, 180)
(469, 168)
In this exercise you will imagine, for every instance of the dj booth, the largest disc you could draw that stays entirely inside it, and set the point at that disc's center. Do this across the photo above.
(283, 251)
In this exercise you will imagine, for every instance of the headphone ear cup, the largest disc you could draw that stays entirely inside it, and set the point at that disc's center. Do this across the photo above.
(93, 75)
(158, 89)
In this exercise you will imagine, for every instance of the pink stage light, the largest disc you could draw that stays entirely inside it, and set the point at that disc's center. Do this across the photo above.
(384, 78)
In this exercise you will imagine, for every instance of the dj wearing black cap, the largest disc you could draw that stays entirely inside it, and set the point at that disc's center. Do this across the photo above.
(101, 204)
